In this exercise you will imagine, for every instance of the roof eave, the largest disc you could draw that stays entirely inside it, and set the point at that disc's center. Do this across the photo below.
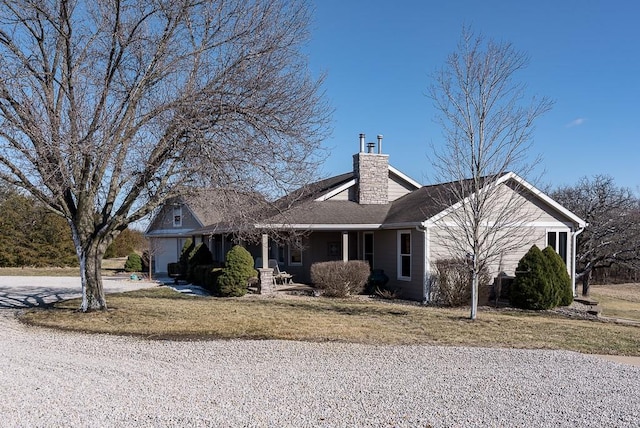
(319, 226)
(547, 199)
(337, 190)
(405, 177)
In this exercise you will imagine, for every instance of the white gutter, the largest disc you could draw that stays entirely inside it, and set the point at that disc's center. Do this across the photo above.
(405, 225)
(426, 288)
(319, 226)
(574, 251)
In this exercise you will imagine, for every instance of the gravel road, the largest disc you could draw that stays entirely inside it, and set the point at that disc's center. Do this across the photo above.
(51, 378)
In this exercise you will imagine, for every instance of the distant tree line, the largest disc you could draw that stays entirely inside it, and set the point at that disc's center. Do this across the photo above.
(32, 235)
(608, 250)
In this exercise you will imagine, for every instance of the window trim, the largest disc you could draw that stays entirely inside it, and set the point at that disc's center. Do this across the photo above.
(290, 247)
(556, 247)
(177, 209)
(400, 255)
(364, 248)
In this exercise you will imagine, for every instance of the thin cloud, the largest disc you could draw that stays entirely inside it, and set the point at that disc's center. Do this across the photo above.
(576, 122)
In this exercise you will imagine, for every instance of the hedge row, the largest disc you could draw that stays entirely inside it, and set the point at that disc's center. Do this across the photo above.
(197, 266)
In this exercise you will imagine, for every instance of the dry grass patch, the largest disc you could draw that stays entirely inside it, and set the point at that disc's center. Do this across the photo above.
(163, 313)
(618, 300)
(109, 266)
(114, 263)
(34, 271)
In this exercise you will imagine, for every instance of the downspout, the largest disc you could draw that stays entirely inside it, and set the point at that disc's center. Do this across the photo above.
(573, 263)
(426, 288)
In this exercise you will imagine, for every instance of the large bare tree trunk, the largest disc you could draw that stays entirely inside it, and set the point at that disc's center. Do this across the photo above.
(474, 295)
(90, 273)
(585, 283)
(110, 108)
(90, 250)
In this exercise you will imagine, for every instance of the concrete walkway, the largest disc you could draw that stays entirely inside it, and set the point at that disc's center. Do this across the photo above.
(622, 359)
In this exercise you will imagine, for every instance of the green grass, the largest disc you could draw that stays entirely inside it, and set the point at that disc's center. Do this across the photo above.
(162, 313)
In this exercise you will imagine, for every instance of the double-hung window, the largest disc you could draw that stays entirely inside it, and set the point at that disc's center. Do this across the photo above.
(404, 255)
(368, 248)
(295, 253)
(558, 241)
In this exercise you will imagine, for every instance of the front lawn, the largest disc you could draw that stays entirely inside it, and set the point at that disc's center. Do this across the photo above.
(162, 313)
(618, 300)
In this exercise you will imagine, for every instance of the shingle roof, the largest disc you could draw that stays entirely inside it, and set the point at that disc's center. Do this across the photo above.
(301, 209)
(331, 212)
(211, 206)
(313, 191)
(428, 201)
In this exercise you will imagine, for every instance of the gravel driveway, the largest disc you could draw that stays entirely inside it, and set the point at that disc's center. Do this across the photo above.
(51, 378)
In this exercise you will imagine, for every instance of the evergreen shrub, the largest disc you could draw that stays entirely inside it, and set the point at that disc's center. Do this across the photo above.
(340, 279)
(199, 255)
(211, 279)
(235, 275)
(185, 253)
(533, 287)
(133, 263)
(559, 277)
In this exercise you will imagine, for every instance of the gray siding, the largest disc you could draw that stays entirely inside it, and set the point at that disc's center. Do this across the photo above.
(386, 257)
(530, 222)
(397, 189)
(164, 220)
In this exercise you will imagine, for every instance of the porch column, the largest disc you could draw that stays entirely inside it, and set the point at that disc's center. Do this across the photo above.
(266, 274)
(574, 236)
(345, 246)
(265, 251)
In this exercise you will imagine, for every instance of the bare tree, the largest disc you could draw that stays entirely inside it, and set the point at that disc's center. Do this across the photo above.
(487, 129)
(612, 236)
(108, 108)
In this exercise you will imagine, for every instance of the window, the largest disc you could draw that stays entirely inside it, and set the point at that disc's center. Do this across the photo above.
(404, 255)
(368, 248)
(558, 241)
(177, 216)
(295, 253)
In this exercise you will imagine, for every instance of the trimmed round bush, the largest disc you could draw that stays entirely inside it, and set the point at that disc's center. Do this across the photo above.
(533, 287)
(559, 277)
(238, 269)
(340, 279)
(133, 263)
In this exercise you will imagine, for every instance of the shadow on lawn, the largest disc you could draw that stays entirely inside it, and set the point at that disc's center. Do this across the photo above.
(28, 297)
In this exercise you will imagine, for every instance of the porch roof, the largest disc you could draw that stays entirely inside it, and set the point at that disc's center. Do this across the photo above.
(325, 213)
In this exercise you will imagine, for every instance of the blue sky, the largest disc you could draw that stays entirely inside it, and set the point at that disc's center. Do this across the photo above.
(584, 55)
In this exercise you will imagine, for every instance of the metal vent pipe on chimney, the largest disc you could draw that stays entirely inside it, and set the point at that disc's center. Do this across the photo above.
(370, 147)
(361, 143)
(379, 144)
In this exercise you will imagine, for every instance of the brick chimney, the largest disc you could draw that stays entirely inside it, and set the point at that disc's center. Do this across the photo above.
(372, 172)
